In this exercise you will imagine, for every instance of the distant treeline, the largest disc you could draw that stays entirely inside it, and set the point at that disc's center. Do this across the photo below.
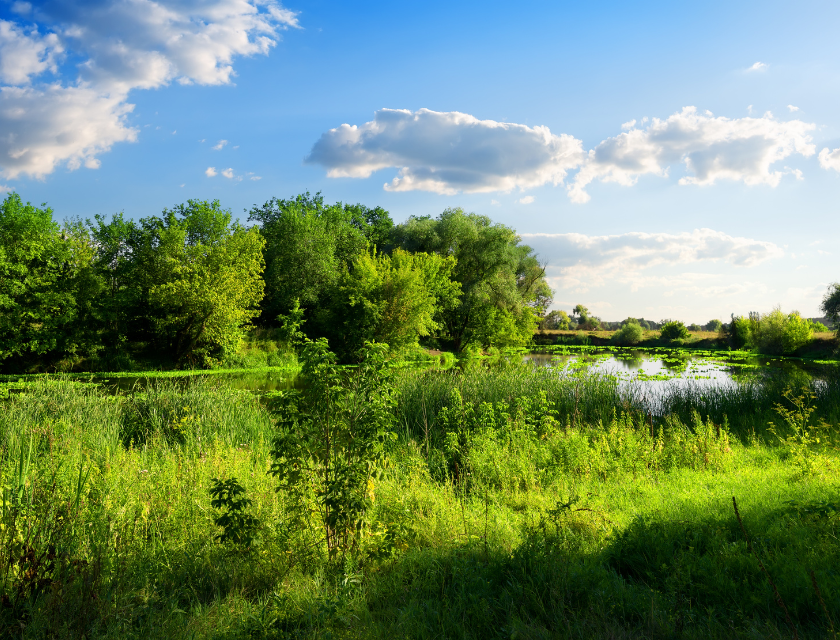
(181, 288)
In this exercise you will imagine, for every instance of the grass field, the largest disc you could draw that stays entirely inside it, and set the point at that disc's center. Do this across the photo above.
(512, 504)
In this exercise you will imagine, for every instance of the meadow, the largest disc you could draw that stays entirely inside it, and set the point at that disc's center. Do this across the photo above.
(507, 501)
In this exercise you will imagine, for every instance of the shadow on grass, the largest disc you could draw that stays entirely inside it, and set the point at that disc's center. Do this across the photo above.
(657, 579)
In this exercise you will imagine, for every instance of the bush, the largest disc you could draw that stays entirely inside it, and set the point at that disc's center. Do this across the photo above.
(631, 333)
(674, 330)
(778, 333)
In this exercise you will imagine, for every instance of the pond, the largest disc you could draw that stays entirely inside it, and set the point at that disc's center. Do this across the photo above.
(662, 367)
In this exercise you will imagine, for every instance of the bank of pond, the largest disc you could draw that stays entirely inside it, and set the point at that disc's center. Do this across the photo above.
(581, 492)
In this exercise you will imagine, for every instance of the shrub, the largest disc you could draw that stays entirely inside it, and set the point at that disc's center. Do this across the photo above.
(778, 333)
(631, 333)
(674, 330)
(713, 325)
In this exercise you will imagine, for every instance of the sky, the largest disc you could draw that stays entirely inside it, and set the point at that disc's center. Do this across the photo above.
(665, 160)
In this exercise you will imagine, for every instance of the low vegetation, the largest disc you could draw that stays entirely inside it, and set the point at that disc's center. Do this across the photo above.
(378, 502)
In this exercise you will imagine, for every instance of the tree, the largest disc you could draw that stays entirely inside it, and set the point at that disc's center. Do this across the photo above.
(831, 305)
(502, 282)
(393, 299)
(555, 320)
(713, 325)
(205, 279)
(631, 333)
(673, 330)
(37, 303)
(309, 244)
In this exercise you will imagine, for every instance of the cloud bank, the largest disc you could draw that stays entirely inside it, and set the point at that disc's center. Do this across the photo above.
(447, 152)
(120, 46)
(453, 152)
(577, 261)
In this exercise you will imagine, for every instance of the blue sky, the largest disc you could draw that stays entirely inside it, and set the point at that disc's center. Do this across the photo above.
(665, 159)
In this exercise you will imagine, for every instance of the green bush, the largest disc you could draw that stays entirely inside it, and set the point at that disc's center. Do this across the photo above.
(631, 333)
(777, 333)
(674, 330)
(713, 325)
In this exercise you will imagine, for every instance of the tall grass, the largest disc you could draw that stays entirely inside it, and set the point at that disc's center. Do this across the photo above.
(747, 407)
(572, 513)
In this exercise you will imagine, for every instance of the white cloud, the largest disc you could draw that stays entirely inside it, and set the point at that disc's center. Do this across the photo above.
(711, 148)
(228, 173)
(580, 261)
(255, 178)
(830, 159)
(41, 128)
(791, 108)
(211, 172)
(23, 55)
(447, 152)
(637, 250)
(124, 45)
(628, 125)
(526, 200)
(495, 202)
(757, 66)
(220, 145)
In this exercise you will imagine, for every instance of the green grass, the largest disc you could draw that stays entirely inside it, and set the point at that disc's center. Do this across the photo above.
(534, 507)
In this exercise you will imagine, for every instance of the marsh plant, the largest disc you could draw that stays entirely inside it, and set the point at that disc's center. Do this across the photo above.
(333, 437)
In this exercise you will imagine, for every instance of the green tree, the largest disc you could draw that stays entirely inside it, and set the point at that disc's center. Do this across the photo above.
(673, 330)
(204, 278)
(780, 333)
(309, 244)
(831, 305)
(502, 282)
(556, 320)
(393, 299)
(630, 333)
(37, 304)
(713, 325)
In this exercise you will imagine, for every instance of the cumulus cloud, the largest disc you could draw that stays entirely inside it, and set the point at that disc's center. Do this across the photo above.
(526, 200)
(220, 145)
(44, 127)
(23, 54)
(447, 152)
(123, 45)
(830, 159)
(228, 173)
(791, 108)
(757, 66)
(211, 172)
(711, 148)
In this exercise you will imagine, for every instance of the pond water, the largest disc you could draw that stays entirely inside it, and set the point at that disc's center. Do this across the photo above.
(661, 367)
(656, 369)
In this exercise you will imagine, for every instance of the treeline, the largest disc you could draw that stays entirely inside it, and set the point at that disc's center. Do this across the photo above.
(181, 288)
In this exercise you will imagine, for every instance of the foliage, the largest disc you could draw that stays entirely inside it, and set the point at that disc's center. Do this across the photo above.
(556, 320)
(502, 284)
(333, 437)
(239, 527)
(830, 305)
(803, 442)
(392, 299)
(308, 245)
(630, 333)
(673, 330)
(713, 325)
(206, 278)
(776, 332)
(37, 302)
